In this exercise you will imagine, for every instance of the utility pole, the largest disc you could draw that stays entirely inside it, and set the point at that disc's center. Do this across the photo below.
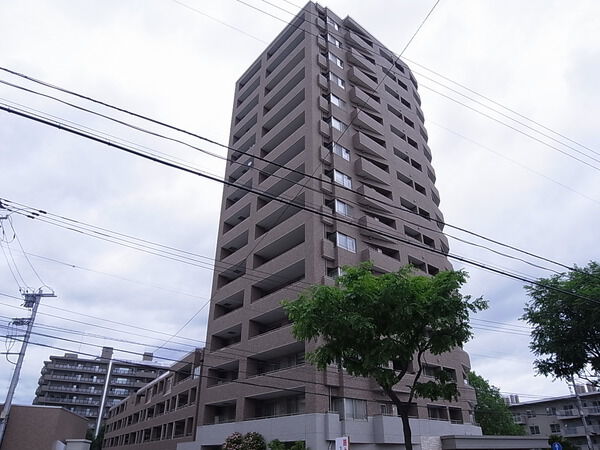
(582, 414)
(31, 300)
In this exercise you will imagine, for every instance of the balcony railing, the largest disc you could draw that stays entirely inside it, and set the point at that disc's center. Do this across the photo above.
(77, 368)
(75, 378)
(73, 389)
(69, 400)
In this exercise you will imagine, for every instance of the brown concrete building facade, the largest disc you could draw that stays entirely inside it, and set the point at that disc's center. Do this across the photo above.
(41, 427)
(81, 384)
(324, 99)
(160, 415)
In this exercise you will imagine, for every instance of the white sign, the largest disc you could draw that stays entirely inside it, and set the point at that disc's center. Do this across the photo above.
(342, 443)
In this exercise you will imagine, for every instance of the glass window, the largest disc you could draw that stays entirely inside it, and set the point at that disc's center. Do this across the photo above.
(338, 62)
(338, 124)
(346, 242)
(336, 100)
(335, 272)
(337, 80)
(333, 23)
(342, 178)
(342, 208)
(355, 409)
(334, 41)
(554, 428)
(534, 429)
(342, 151)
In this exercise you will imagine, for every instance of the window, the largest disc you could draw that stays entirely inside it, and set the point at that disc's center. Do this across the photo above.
(342, 151)
(554, 428)
(346, 242)
(342, 208)
(336, 101)
(338, 124)
(388, 409)
(534, 429)
(334, 41)
(335, 272)
(333, 23)
(337, 80)
(342, 178)
(530, 413)
(338, 62)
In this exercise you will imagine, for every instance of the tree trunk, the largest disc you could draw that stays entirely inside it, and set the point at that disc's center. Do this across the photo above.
(403, 413)
(403, 409)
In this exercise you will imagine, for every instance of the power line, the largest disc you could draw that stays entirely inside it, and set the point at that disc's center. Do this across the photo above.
(104, 320)
(453, 90)
(277, 198)
(197, 11)
(502, 106)
(312, 176)
(450, 98)
(237, 381)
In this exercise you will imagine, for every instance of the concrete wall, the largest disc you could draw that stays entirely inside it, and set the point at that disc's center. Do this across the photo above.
(319, 430)
(40, 427)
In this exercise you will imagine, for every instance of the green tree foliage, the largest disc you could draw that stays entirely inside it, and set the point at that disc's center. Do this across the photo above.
(566, 444)
(276, 444)
(566, 329)
(96, 441)
(491, 413)
(366, 322)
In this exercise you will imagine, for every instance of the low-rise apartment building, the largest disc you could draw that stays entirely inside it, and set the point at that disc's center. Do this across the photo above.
(160, 415)
(85, 385)
(560, 415)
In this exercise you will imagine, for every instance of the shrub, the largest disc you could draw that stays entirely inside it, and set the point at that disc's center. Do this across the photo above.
(234, 442)
(254, 441)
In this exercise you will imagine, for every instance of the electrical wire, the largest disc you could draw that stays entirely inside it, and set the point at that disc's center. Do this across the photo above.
(401, 208)
(334, 33)
(264, 194)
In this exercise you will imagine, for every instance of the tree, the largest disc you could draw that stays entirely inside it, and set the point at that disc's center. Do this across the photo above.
(566, 328)
(491, 413)
(234, 441)
(96, 441)
(367, 322)
(565, 443)
(249, 441)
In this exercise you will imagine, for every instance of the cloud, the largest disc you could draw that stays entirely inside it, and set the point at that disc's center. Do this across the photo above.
(161, 59)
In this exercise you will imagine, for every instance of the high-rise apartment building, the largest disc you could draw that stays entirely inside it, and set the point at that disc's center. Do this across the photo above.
(85, 385)
(328, 100)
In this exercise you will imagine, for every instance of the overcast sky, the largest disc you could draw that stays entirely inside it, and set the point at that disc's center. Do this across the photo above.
(159, 58)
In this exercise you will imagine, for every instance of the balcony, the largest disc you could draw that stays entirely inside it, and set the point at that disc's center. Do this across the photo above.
(373, 199)
(355, 58)
(355, 39)
(363, 120)
(573, 412)
(77, 368)
(367, 169)
(359, 78)
(77, 378)
(373, 228)
(72, 389)
(380, 261)
(365, 144)
(75, 401)
(580, 431)
(362, 99)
